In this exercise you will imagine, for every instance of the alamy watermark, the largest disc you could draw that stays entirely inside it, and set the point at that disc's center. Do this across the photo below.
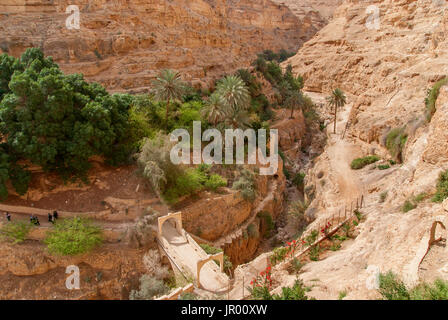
(73, 280)
(73, 21)
(212, 153)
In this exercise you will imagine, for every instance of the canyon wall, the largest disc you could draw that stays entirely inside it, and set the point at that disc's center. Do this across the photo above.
(385, 63)
(318, 12)
(123, 44)
(388, 70)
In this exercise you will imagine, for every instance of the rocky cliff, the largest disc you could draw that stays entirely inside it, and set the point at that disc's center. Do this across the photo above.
(318, 12)
(123, 44)
(385, 63)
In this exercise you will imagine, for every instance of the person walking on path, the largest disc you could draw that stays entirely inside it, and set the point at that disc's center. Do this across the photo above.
(55, 215)
(50, 218)
(8, 216)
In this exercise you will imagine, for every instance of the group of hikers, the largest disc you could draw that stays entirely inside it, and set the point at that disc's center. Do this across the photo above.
(52, 217)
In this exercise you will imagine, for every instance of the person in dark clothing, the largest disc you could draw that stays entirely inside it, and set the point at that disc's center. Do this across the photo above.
(8, 216)
(50, 218)
(32, 218)
(55, 215)
(36, 221)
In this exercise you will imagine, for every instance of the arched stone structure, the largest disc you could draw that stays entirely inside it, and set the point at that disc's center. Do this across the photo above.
(177, 218)
(432, 237)
(216, 257)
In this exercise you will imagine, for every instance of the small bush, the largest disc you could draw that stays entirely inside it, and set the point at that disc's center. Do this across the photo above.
(420, 197)
(383, 167)
(392, 288)
(395, 142)
(342, 295)
(278, 255)
(311, 238)
(432, 96)
(228, 266)
(296, 292)
(360, 163)
(314, 253)
(383, 196)
(252, 231)
(214, 182)
(297, 265)
(15, 232)
(149, 288)
(442, 188)
(73, 236)
(408, 206)
(298, 179)
(359, 215)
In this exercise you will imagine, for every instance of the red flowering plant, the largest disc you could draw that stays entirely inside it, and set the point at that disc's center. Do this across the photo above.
(326, 229)
(292, 247)
(261, 285)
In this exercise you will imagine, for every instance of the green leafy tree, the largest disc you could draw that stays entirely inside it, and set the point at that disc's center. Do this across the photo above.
(337, 99)
(293, 101)
(168, 87)
(73, 236)
(58, 121)
(15, 232)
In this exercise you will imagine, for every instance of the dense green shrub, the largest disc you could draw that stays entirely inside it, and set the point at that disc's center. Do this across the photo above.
(214, 182)
(442, 188)
(360, 163)
(73, 236)
(431, 99)
(395, 141)
(296, 292)
(15, 232)
(59, 121)
(383, 166)
(392, 288)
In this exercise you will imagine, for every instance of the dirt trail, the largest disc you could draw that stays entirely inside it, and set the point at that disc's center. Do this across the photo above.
(341, 152)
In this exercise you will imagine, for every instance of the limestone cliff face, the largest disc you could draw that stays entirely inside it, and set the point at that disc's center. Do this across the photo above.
(386, 73)
(318, 12)
(27, 271)
(387, 70)
(123, 44)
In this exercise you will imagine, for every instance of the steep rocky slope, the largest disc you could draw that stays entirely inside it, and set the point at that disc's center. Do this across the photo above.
(318, 12)
(123, 44)
(385, 73)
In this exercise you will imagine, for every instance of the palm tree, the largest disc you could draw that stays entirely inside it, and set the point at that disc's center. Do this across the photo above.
(214, 109)
(293, 101)
(236, 98)
(168, 87)
(283, 89)
(337, 100)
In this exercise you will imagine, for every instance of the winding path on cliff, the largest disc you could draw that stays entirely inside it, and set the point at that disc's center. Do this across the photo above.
(341, 152)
